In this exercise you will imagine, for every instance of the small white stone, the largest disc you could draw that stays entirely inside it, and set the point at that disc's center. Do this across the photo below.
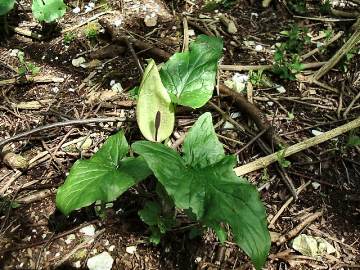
(316, 132)
(117, 87)
(270, 103)
(240, 81)
(76, 62)
(71, 90)
(76, 10)
(102, 261)
(88, 8)
(150, 21)
(198, 259)
(131, 249)
(88, 230)
(70, 238)
(111, 248)
(117, 22)
(315, 185)
(55, 90)
(57, 254)
(259, 48)
(319, 44)
(112, 82)
(191, 32)
(77, 264)
(14, 52)
(281, 89)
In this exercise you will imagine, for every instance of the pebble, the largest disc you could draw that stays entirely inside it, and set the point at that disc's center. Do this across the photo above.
(259, 48)
(102, 261)
(76, 62)
(88, 230)
(131, 249)
(316, 132)
(150, 20)
(76, 10)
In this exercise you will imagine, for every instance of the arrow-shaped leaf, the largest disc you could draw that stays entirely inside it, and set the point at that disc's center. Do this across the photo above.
(103, 177)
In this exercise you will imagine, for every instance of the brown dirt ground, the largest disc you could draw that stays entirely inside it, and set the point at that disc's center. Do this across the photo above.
(36, 236)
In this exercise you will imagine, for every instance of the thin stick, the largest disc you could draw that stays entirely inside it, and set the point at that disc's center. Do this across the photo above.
(266, 67)
(294, 232)
(185, 47)
(93, 18)
(352, 41)
(26, 32)
(60, 124)
(132, 51)
(287, 203)
(35, 79)
(322, 19)
(34, 244)
(79, 246)
(252, 140)
(312, 52)
(352, 103)
(266, 161)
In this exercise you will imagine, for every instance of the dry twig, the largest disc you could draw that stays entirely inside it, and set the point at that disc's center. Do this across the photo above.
(266, 161)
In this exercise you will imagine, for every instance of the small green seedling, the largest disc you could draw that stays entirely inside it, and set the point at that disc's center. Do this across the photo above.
(290, 116)
(26, 68)
(325, 7)
(353, 140)
(91, 31)
(68, 38)
(210, 5)
(298, 6)
(281, 159)
(346, 60)
(287, 60)
(265, 177)
(256, 77)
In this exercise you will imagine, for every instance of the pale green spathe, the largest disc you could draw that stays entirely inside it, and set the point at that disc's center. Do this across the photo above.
(153, 97)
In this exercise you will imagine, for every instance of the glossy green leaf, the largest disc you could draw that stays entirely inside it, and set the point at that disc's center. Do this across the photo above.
(210, 189)
(154, 102)
(6, 6)
(190, 77)
(103, 177)
(202, 147)
(48, 10)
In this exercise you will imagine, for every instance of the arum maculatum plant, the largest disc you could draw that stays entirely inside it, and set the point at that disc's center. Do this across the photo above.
(200, 180)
